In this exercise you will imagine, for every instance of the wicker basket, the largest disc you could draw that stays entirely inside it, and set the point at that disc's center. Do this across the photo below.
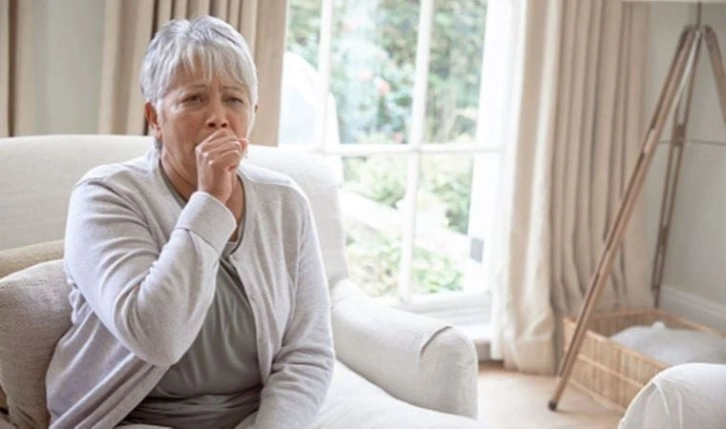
(611, 373)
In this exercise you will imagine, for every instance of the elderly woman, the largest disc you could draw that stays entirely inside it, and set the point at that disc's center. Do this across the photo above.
(198, 291)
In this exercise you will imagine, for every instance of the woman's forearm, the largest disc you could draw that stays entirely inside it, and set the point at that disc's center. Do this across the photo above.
(153, 299)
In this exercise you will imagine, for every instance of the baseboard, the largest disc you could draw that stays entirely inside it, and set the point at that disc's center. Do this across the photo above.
(693, 307)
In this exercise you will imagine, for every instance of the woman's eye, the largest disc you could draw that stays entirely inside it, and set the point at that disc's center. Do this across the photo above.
(195, 98)
(236, 100)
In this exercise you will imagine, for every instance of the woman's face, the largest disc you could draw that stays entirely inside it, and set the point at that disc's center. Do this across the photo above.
(191, 111)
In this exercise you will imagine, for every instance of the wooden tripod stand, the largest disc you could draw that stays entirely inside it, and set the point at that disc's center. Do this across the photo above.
(674, 99)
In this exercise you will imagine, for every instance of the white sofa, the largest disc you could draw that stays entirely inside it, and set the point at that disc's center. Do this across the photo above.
(394, 369)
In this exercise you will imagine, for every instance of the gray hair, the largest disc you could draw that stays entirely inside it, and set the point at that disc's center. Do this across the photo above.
(205, 42)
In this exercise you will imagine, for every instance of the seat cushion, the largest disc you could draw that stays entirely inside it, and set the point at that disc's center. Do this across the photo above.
(355, 403)
(34, 314)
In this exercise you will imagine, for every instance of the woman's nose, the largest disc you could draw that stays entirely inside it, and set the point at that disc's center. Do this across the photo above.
(217, 116)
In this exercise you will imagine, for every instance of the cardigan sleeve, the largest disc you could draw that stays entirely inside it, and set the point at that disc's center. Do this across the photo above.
(153, 297)
(303, 367)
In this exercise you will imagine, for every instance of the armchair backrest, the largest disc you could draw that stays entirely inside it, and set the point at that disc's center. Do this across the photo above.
(37, 175)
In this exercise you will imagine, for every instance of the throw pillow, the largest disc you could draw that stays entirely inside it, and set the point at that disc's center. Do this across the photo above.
(34, 314)
(16, 259)
(12, 260)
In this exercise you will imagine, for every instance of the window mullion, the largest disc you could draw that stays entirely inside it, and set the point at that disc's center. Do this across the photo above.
(423, 48)
(325, 53)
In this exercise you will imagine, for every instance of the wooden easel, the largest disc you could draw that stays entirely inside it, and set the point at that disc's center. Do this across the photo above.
(681, 74)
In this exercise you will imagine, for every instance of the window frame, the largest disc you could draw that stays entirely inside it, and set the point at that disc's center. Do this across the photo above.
(461, 306)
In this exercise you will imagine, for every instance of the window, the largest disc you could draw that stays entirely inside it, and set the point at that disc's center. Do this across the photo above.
(389, 91)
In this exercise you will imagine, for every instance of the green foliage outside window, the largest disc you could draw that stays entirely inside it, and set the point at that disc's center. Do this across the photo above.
(373, 60)
(377, 255)
(446, 180)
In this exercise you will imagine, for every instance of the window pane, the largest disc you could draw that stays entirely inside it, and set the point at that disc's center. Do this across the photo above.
(303, 29)
(373, 66)
(442, 245)
(300, 105)
(457, 43)
(370, 195)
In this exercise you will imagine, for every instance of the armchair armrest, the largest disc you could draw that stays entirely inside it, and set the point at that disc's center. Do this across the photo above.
(416, 359)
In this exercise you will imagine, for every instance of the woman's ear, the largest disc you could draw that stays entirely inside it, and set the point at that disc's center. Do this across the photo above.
(152, 118)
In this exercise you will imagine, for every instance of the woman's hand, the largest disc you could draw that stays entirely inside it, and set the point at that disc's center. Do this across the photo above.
(218, 157)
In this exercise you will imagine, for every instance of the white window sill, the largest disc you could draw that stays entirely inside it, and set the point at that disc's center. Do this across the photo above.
(481, 335)
(468, 312)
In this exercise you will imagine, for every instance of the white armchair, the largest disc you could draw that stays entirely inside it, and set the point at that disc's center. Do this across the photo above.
(689, 395)
(394, 369)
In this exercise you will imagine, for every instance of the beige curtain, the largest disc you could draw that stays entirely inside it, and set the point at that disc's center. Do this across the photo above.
(129, 26)
(17, 96)
(576, 137)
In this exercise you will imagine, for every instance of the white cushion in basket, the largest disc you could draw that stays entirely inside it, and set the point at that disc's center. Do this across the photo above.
(673, 346)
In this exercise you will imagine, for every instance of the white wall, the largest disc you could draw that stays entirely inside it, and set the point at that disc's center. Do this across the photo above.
(68, 42)
(694, 283)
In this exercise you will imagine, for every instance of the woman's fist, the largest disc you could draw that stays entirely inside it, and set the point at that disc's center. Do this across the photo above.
(218, 157)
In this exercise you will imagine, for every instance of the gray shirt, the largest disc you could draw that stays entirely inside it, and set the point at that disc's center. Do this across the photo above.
(217, 382)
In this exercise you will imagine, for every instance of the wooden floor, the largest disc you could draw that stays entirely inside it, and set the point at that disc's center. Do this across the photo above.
(510, 400)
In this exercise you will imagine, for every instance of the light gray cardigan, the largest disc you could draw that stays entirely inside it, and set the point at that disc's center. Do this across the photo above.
(143, 275)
